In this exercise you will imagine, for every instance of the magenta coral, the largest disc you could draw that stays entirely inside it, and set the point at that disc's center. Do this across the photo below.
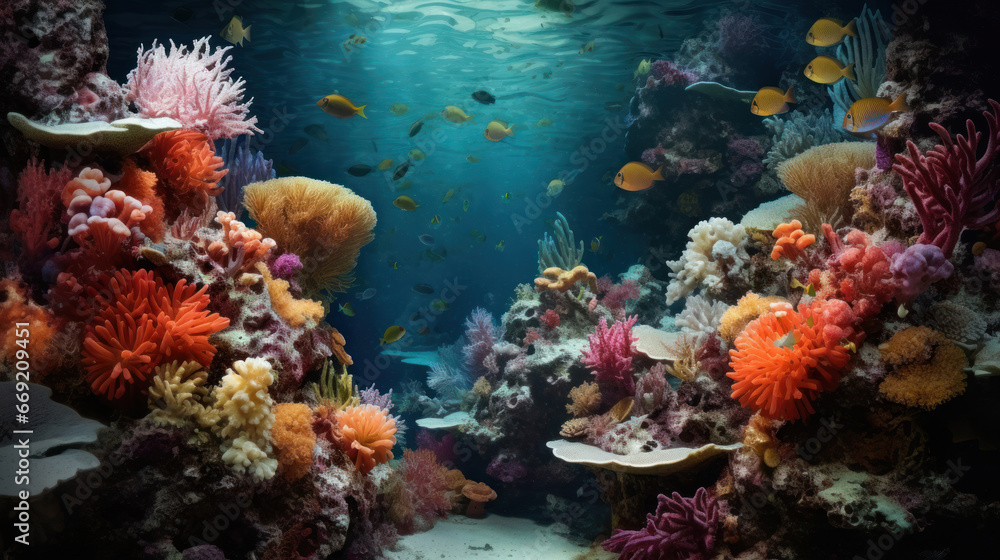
(192, 86)
(670, 74)
(916, 268)
(681, 529)
(610, 358)
(950, 187)
(286, 266)
(506, 468)
(619, 294)
(481, 334)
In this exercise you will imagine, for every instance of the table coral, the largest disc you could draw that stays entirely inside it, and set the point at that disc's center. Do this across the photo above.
(928, 368)
(293, 439)
(244, 406)
(368, 435)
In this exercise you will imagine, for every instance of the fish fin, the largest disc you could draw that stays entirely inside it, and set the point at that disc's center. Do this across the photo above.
(246, 32)
(470, 118)
(849, 73)
(510, 130)
(852, 28)
(790, 95)
(899, 104)
(658, 174)
(361, 111)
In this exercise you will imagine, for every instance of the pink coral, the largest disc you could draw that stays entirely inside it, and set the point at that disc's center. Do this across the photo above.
(621, 293)
(857, 273)
(506, 468)
(481, 334)
(669, 74)
(550, 318)
(241, 247)
(610, 358)
(192, 86)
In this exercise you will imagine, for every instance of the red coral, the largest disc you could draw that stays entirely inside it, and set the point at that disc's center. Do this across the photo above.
(858, 273)
(141, 185)
(426, 484)
(610, 358)
(619, 294)
(35, 221)
(550, 318)
(188, 169)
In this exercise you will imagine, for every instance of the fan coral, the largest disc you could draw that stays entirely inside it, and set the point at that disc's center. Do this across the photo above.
(584, 399)
(929, 368)
(748, 308)
(177, 396)
(35, 221)
(188, 169)
(481, 334)
(141, 185)
(784, 359)
(294, 439)
(715, 245)
(193, 87)
(368, 435)
(324, 224)
(681, 529)
(610, 358)
(951, 188)
(244, 406)
(426, 484)
(916, 268)
(240, 248)
(824, 176)
(792, 241)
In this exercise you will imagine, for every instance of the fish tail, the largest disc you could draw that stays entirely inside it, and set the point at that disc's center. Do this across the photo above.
(852, 28)
(246, 32)
(658, 174)
(471, 118)
(899, 104)
(849, 73)
(361, 111)
(510, 130)
(790, 95)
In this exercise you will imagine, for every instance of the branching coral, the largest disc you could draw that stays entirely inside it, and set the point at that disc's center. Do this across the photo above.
(34, 221)
(824, 176)
(928, 368)
(784, 360)
(426, 484)
(324, 224)
(294, 439)
(178, 396)
(141, 185)
(791, 241)
(240, 248)
(700, 315)
(715, 249)
(188, 169)
(584, 399)
(192, 86)
(748, 308)
(480, 335)
(609, 358)
(368, 435)
(244, 406)
(951, 187)
(680, 529)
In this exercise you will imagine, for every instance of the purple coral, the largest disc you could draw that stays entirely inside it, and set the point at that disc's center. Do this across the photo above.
(481, 334)
(610, 358)
(741, 36)
(681, 529)
(506, 468)
(916, 268)
(192, 87)
(952, 189)
(669, 74)
(286, 266)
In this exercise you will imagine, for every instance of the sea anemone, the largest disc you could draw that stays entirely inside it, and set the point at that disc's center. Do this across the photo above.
(188, 169)
(368, 435)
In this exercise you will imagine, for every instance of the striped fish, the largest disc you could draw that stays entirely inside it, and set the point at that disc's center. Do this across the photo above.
(871, 113)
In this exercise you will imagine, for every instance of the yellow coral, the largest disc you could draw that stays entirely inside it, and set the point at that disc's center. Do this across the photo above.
(482, 387)
(177, 396)
(584, 399)
(824, 176)
(244, 406)
(555, 278)
(298, 313)
(748, 308)
(928, 368)
(294, 439)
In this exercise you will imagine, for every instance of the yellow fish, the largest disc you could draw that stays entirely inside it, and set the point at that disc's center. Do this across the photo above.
(496, 131)
(500, 246)
(386, 164)
(771, 101)
(405, 203)
(392, 334)
(473, 159)
(589, 47)
(436, 220)
(644, 67)
(340, 106)
(416, 154)
(637, 176)
(505, 197)
(234, 32)
(456, 115)
(544, 122)
(465, 205)
(828, 31)
(399, 109)
(448, 195)
(595, 243)
(439, 305)
(395, 265)
(555, 187)
(829, 70)
(871, 113)
(347, 309)
(810, 290)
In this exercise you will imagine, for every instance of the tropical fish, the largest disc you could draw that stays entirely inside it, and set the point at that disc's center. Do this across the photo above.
(317, 132)
(505, 197)
(354, 40)
(367, 294)
(644, 67)
(404, 186)
(340, 106)
(500, 246)
(347, 309)
(595, 243)
(416, 154)
(637, 176)
(473, 159)
(810, 290)
(423, 289)
(392, 334)
(455, 114)
(399, 109)
(771, 101)
(828, 70)
(360, 170)
(426, 239)
(401, 170)
(435, 220)
(385, 164)
(871, 113)
(415, 127)
(465, 205)
(439, 305)
(297, 145)
(544, 122)
(395, 265)
(496, 131)
(234, 32)
(828, 31)
(589, 47)
(484, 97)
(448, 195)
(555, 187)
(405, 203)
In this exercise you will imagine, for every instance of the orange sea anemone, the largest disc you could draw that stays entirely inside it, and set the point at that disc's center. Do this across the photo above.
(141, 185)
(792, 241)
(368, 435)
(783, 360)
(188, 169)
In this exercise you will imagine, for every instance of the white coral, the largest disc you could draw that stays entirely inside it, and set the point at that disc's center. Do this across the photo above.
(702, 263)
(701, 315)
(244, 404)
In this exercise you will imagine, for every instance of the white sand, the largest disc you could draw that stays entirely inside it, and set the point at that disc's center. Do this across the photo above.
(507, 537)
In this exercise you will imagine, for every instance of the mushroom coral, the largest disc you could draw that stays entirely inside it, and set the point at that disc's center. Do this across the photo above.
(324, 224)
(478, 494)
(784, 359)
(367, 435)
(929, 368)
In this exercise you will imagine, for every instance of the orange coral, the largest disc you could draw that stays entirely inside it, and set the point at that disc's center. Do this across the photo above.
(367, 435)
(792, 241)
(748, 308)
(584, 399)
(37, 331)
(297, 313)
(783, 360)
(241, 247)
(184, 323)
(337, 343)
(478, 494)
(293, 438)
(929, 368)
(188, 169)
(555, 278)
(141, 185)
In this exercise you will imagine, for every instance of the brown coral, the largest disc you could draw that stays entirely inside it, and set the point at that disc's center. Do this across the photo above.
(928, 368)
(478, 494)
(337, 343)
(178, 395)
(294, 439)
(555, 278)
(748, 308)
(824, 176)
(574, 428)
(584, 399)
(758, 438)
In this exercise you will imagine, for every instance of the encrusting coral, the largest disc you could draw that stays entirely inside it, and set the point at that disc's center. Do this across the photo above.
(294, 439)
(298, 313)
(244, 407)
(928, 369)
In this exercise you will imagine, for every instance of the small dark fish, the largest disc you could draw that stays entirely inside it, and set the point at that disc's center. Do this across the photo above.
(360, 170)
(401, 170)
(374, 146)
(317, 132)
(426, 239)
(424, 331)
(423, 289)
(415, 127)
(484, 97)
(298, 145)
(613, 106)
(182, 14)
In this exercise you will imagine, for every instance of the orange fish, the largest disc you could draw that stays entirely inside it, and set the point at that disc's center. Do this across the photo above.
(871, 113)
(637, 176)
(771, 101)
